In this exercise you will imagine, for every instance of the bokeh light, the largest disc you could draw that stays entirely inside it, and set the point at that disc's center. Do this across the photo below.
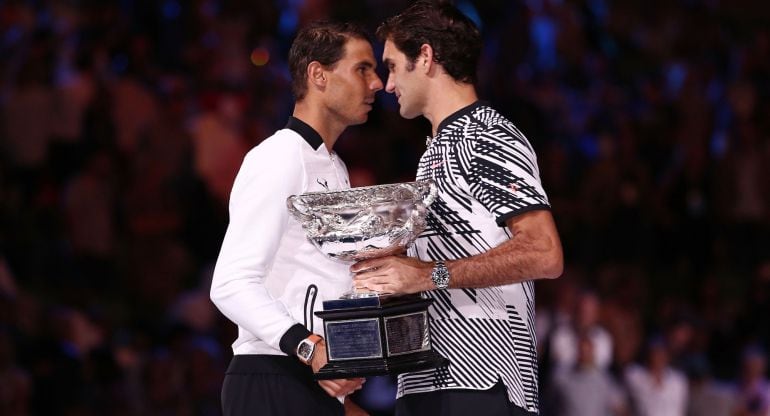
(260, 56)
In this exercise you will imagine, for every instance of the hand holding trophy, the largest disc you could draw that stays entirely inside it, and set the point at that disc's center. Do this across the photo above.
(370, 333)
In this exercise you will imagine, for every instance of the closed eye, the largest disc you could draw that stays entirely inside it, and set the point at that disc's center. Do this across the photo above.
(363, 67)
(390, 65)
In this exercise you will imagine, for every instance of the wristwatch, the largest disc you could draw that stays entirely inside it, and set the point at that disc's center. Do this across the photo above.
(440, 275)
(306, 348)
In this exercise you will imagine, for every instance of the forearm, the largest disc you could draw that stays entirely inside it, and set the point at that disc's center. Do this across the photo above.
(258, 219)
(247, 303)
(533, 252)
(523, 257)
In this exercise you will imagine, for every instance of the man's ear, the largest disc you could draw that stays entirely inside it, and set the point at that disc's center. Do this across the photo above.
(425, 59)
(316, 75)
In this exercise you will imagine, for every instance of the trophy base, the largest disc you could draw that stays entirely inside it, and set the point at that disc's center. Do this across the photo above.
(377, 335)
(381, 366)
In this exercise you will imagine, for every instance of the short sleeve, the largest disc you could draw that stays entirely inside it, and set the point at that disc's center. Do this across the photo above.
(500, 169)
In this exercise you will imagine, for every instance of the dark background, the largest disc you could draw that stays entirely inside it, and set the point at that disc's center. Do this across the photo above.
(123, 123)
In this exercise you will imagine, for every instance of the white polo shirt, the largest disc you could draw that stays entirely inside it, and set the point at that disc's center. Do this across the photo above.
(651, 397)
(269, 277)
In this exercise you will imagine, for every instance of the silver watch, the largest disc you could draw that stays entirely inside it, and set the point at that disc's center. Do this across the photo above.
(440, 275)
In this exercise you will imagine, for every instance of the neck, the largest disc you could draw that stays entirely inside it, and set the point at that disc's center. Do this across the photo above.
(658, 372)
(314, 116)
(447, 97)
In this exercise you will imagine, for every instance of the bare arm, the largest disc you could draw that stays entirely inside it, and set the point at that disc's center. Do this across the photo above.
(533, 252)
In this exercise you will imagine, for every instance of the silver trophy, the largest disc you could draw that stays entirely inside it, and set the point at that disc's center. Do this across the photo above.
(370, 333)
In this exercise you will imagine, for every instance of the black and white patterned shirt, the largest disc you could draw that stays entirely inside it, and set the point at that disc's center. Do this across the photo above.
(486, 172)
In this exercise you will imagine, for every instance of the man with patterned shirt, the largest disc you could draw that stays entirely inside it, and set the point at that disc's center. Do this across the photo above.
(490, 232)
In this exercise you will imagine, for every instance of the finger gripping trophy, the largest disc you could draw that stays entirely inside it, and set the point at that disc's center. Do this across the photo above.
(370, 333)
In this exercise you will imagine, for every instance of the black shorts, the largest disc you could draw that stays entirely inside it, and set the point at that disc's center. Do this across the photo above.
(460, 402)
(274, 385)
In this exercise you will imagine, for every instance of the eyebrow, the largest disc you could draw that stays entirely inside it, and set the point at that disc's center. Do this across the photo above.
(387, 61)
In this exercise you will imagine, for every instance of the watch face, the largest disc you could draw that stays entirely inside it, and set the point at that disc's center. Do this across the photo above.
(305, 349)
(440, 276)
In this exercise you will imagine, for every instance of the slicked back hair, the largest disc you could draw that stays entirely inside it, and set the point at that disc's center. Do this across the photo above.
(455, 39)
(321, 41)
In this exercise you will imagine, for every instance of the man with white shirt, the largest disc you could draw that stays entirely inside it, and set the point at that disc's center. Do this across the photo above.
(269, 278)
(655, 388)
(564, 341)
(585, 388)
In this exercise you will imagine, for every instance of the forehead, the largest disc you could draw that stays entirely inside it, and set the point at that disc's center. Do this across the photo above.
(391, 52)
(357, 50)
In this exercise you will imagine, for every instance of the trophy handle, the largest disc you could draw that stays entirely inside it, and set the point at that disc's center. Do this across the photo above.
(291, 204)
(430, 195)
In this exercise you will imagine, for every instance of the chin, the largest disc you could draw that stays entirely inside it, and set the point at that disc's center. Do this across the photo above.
(360, 120)
(405, 113)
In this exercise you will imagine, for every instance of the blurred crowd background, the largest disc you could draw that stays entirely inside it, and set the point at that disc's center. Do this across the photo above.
(123, 124)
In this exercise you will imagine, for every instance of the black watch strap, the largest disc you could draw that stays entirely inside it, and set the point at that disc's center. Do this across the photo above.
(292, 338)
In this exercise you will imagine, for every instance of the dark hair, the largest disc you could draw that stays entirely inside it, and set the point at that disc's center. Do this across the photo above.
(455, 40)
(323, 42)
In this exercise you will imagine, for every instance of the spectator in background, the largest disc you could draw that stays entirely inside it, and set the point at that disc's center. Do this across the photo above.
(585, 389)
(74, 93)
(707, 396)
(683, 345)
(27, 118)
(88, 206)
(564, 341)
(743, 188)
(624, 289)
(656, 389)
(134, 109)
(752, 393)
(556, 310)
(67, 379)
(218, 144)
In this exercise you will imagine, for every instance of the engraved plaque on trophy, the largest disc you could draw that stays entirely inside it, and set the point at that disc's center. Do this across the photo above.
(370, 333)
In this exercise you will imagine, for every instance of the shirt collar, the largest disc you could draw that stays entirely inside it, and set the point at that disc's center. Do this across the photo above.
(459, 113)
(308, 133)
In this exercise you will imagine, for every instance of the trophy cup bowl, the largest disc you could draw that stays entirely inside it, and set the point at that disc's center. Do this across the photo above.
(370, 333)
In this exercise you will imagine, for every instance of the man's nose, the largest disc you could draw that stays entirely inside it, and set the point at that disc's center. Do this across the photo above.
(390, 86)
(376, 84)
